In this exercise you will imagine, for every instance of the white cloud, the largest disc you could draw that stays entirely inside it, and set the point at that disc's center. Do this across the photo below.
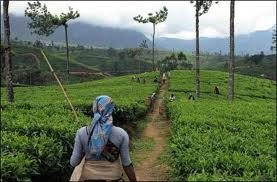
(249, 16)
(182, 35)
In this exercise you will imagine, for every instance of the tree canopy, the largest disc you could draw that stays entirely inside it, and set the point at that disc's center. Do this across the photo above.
(45, 23)
(160, 16)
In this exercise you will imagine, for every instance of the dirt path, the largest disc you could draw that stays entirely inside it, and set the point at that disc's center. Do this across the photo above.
(158, 129)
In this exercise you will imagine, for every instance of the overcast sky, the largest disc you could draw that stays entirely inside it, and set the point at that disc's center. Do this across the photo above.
(249, 16)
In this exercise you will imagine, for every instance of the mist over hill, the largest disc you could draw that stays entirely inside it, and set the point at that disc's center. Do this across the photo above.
(251, 43)
(91, 35)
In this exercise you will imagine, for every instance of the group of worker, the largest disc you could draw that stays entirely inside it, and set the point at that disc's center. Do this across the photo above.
(139, 79)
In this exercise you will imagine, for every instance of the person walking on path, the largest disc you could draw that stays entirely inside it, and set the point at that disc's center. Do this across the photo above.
(152, 98)
(102, 143)
(164, 78)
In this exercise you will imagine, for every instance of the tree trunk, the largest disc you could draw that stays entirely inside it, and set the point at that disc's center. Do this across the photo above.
(67, 51)
(153, 47)
(197, 63)
(7, 50)
(232, 51)
(139, 66)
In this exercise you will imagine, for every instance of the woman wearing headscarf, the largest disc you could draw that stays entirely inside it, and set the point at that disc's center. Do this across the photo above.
(102, 143)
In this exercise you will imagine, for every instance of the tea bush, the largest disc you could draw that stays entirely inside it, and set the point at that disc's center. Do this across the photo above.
(39, 128)
(215, 140)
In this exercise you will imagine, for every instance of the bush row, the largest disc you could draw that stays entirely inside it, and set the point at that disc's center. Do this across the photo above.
(216, 140)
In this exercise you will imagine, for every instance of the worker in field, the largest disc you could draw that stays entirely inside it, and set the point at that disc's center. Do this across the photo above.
(164, 78)
(152, 101)
(138, 80)
(144, 80)
(156, 79)
(102, 144)
(134, 78)
(191, 97)
(172, 97)
(216, 89)
(168, 74)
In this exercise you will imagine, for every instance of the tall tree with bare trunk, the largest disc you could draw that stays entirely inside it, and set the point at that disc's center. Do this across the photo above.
(7, 51)
(201, 7)
(232, 51)
(159, 17)
(44, 23)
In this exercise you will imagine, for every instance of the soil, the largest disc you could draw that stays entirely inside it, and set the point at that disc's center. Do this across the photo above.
(158, 128)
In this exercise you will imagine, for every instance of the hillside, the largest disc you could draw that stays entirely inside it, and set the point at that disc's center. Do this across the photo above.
(251, 43)
(214, 140)
(89, 64)
(80, 33)
(91, 35)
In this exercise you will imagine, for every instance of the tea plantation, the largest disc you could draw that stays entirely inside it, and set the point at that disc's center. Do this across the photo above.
(38, 129)
(213, 139)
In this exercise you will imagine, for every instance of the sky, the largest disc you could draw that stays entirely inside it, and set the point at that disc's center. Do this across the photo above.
(249, 16)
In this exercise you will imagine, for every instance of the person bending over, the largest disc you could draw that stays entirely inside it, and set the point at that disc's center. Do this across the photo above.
(172, 98)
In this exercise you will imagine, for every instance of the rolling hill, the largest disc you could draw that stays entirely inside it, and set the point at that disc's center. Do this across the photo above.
(90, 35)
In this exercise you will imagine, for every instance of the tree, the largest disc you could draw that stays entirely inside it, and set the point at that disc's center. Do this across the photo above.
(257, 58)
(201, 7)
(7, 51)
(143, 45)
(273, 47)
(122, 54)
(44, 23)
(159, 17)
(182, 56)
(111, 52)
(232, 51)
(38, 44)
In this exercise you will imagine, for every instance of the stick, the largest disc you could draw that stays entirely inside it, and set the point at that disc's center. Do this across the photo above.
(64, 92)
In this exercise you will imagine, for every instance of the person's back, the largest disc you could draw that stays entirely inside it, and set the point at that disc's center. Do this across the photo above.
(105, 165)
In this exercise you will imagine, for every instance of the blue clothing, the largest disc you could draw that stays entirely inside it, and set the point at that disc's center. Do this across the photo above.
(118, 137)
(101, 125)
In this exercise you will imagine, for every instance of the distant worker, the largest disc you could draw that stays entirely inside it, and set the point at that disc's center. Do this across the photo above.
(168, 74)
(102, 144)
(164, 78)
(134, 78)
(191, 97)
(138, 80)
(172, 98)
(144, 80)
(216, 89)
(156, 79)
(152, 98)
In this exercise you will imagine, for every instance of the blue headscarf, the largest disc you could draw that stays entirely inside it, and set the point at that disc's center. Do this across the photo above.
(101, 124)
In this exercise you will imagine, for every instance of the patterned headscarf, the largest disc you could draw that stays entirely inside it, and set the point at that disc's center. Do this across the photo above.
(101, 124)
